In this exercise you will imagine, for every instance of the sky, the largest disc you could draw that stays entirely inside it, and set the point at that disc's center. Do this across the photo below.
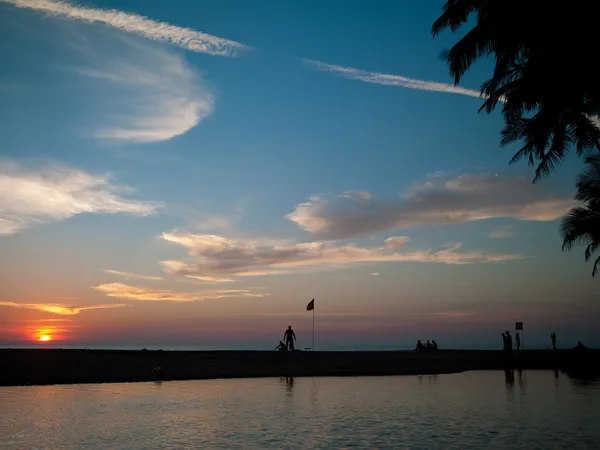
(191, 174)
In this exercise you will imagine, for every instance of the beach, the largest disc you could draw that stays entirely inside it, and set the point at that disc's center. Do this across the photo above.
(56, 366)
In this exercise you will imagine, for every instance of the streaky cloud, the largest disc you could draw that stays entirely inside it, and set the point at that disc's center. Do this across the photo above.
(63, 310)
(213, 255)
(128, 292)
(30, 197)
(211, 280)
(389, 79)
(134, 276)
(186, 38)
(166, 97)
(439, 200)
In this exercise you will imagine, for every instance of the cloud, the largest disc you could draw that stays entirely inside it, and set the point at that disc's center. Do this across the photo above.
(397, 241)
(132, 275)
(503, 232)
(51, 320)
(55, 193)
(438, 201)
(186, 38)
(211, 279)
(151, 94)
(390, 80)
(216, 255)
(375, 274)
(127, 292)
(59, 309)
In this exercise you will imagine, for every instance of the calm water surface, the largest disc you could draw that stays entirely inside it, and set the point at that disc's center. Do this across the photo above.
(469, 410)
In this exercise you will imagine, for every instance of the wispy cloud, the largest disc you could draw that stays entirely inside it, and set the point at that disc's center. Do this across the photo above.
(51, 320)
(397, 241)
(375, 274)
(150, 94)
(127, 292)
(503, 232)
(439, 200)
(132, 275)
(216, 255)
(63, 310)
(210, 280)
(389, 80)
(186, 38)
(55, 193)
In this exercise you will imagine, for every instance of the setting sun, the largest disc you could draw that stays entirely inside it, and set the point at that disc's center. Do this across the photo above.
(45, 338)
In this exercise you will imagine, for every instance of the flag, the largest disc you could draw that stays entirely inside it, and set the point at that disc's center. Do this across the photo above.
(311, 305)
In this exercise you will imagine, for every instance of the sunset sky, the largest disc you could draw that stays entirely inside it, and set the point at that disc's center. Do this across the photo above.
(191, 174)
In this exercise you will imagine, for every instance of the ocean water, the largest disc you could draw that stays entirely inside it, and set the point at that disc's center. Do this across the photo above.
(483, 409)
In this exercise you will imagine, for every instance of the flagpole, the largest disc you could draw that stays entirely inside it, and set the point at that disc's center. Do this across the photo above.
(313, 344)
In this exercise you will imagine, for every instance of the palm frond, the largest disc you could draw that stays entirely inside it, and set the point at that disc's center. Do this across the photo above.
(558, 149)
(576, 227)
(465, 52)
(596, 266)
(455, 13)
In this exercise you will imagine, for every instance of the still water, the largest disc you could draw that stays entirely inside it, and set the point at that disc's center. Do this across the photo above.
(538, 409)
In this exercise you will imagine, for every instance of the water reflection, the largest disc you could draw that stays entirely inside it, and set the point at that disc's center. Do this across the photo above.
(445, 411)
(522, 378)
(289, 381)
(509, 378)
(586, 382)
(427, 379)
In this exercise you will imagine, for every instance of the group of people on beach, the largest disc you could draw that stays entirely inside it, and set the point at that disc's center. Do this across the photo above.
(428, 347)
(508, 341)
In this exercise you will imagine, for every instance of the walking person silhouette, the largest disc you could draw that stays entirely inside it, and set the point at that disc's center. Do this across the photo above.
(289, 338)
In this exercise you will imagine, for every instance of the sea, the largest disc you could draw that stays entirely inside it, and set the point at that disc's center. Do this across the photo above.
(470, 410)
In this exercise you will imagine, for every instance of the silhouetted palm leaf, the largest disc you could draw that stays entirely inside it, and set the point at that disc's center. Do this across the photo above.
(544, 72)
(581, 225)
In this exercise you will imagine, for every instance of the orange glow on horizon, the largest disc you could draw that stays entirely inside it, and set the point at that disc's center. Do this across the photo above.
(45, 334)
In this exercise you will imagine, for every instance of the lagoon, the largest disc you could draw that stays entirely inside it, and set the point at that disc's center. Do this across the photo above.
(477, 409)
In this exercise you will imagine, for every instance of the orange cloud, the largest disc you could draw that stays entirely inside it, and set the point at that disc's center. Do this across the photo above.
(132, 275)
(58, 309)
(127, 292)
(217, 255)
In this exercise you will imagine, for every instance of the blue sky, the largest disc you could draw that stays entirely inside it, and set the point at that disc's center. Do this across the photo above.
(194, 173)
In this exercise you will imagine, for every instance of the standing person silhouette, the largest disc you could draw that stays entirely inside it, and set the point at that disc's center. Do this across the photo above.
(518, 341)
(508, 341)
(553, 339)
(289, 338)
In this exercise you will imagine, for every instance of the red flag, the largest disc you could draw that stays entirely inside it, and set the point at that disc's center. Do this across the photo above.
(311, 305)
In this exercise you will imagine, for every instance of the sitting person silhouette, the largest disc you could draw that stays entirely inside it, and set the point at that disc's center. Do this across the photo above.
(281, 347)
(419, 347)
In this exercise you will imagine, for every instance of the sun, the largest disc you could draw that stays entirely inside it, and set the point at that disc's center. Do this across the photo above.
(45, 338)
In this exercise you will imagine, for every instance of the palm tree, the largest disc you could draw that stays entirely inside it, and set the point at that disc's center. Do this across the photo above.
(581, 225)
(544, 72)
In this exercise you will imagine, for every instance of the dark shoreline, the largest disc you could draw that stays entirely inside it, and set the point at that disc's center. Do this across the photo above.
(56, 366)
